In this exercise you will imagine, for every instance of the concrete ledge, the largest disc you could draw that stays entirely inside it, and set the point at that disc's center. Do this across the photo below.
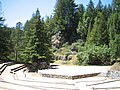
(68, 76)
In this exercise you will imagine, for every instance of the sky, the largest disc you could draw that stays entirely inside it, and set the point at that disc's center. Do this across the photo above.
(21, 10)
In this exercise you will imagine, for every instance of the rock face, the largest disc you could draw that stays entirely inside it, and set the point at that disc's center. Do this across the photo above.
(57, 40)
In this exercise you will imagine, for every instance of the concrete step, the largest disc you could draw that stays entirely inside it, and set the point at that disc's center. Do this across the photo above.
(8, 69)
(40, 84)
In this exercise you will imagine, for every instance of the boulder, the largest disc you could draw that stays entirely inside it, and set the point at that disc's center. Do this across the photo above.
(43, 65)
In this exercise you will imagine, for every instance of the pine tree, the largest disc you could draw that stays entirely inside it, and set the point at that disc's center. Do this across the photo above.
(50, 26)
(99, 33)
(116, 6)
(81, 10)
(114, 34)
(65, 18)
(109, 10)
(38, 45)
(105, 12)
(91, 14)
(17, 40)
(83, 27)
(4, 40)
(99, 6)
(91, 10)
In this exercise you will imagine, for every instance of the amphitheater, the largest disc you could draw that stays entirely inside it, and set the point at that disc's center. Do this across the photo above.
(59, 77)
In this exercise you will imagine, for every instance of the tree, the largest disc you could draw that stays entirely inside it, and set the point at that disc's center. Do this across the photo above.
(4, 41)
(38, 45)
(109, 10)
(106, 12)
(99, 6)
(81, 10)
(50, 26)
(114, 34)
(17, 40)
(116, 6)
(91, 10)
(91, 14)
(83, 27)
(99, 33)
(65, 18)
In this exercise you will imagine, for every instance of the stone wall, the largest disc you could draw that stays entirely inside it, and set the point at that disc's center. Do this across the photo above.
(113, 74)
(68, 76)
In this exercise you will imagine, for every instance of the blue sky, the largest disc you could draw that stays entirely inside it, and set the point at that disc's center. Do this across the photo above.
(22, 10)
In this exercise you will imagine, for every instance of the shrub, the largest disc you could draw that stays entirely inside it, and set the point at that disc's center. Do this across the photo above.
(94, 55)
(75, 46)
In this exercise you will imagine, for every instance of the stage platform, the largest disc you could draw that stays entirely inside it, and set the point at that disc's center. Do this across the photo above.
(73, 72)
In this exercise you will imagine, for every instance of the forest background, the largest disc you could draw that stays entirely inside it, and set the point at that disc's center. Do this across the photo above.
(73, 34)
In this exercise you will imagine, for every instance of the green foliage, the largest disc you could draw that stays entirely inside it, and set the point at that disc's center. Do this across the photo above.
(76, 45)
(83, 27)
(114, 34)
(37, 41)
(4, 41)
(87, 32)
(81, 10)
(17, 42)
(116, 6)
(99, 6)
(94, 55)
(90, 9)
(50, 26)
(65, 18)
(89, 19)
(99, 33)
(115, 47)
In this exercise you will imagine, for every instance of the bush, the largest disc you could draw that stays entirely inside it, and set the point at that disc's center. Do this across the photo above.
(94, 55)
(75, 46)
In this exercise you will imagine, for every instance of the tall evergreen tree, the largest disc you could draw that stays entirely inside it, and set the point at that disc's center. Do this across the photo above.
(116, 6)
(114, 34)
(91, 14)
(81, 10)
(17, 40)
(91, 10)
(109, 10)
(106, 12)
(50, 26)
(65, 18)
(99, 33)
(83, 25)
(4, 40)
(38, 45)
(99, 6)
